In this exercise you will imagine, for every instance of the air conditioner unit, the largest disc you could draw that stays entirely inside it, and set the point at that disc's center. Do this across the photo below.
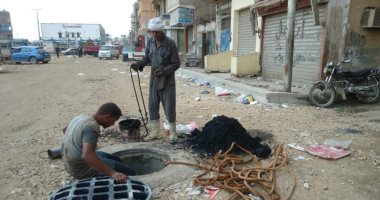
(370, 18)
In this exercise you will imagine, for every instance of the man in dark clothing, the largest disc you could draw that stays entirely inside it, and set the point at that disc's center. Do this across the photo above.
(79, 143)
(162, 54)
(80, 51)
(57, 51)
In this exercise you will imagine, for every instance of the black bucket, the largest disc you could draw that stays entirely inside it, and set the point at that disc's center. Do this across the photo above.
(130, 129)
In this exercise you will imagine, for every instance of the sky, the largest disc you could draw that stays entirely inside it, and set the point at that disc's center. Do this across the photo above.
(113, 15)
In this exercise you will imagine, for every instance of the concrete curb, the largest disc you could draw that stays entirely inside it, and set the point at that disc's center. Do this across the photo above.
(261, 95)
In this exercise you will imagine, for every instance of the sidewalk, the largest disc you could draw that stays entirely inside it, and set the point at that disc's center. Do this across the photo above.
(262, 91)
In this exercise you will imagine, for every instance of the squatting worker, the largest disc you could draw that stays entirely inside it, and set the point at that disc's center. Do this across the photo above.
(79, 144)
(162, 54)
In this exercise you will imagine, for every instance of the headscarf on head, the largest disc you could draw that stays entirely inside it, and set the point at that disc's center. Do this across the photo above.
(156, 24)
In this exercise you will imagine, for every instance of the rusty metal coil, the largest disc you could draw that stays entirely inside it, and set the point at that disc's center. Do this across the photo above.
(226, 171)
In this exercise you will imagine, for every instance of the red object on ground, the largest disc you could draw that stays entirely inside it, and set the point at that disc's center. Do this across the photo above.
(327, 152)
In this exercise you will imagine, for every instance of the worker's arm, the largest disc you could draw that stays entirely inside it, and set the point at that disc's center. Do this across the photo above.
(174, 60)
(90, 157)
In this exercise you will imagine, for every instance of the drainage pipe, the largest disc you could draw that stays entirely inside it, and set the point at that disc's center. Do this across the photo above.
(54, 152)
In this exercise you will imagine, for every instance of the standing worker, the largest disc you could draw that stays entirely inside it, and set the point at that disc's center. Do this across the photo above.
(57, 51)
(162, 54)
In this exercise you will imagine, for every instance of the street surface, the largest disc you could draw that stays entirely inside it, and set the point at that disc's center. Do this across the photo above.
(37, 101)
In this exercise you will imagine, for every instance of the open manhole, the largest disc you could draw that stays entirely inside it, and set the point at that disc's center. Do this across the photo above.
(143, 161)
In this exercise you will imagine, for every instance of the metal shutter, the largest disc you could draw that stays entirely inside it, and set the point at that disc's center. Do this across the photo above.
(246, 37)
(307, 47)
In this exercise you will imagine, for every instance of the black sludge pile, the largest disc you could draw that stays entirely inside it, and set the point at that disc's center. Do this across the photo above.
(220, 132)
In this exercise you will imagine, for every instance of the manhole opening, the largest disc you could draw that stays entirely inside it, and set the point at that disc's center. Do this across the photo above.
(143, 161)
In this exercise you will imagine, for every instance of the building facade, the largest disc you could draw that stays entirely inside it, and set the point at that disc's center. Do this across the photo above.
(6, 30)
(146, 12)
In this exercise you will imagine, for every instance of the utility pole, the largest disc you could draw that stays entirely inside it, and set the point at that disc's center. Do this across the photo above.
(38, 24)
(290, 45)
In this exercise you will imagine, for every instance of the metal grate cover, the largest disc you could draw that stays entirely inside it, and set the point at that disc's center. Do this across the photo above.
(103, 188)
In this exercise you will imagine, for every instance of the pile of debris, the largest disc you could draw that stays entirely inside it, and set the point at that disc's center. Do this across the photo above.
(220, 133)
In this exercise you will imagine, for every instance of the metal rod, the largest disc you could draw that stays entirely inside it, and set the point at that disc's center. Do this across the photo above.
(144, 120)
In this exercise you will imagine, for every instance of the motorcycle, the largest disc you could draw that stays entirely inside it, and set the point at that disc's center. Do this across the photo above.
(364, 84)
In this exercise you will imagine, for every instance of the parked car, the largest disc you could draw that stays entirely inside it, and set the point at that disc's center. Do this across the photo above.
(70, 51)
(32, 54)
(128, 53)
(108, 52)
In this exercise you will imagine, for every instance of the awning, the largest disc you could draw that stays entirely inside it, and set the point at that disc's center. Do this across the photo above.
(266, 3)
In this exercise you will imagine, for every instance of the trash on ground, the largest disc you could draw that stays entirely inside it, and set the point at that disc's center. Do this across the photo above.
(186, 129)
(196, 191)
(182, 128)
(211, 191)
(220, 132)
(254, 102)
(114, 69)
(337, 144)
(327, 152)
(240, 98)
(306, 185)
(248, 99)
(205, 92)
(296, 146)
(284, 106)
(225, 170)
(222, 92)
(81, 74)
(197, 98)
(301, 158)
(122, 72)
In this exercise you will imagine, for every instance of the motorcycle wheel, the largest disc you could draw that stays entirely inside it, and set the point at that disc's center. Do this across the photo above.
(320, 98)
(373, 95)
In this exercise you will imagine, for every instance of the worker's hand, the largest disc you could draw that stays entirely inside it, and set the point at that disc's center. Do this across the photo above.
(159, 73)
(119, 177)
(137, 66)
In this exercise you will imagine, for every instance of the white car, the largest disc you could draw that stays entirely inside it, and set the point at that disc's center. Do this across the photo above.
(108, 52)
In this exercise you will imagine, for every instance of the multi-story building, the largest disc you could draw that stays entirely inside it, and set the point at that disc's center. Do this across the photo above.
(146, 12)
(133, 33)
(6, 31)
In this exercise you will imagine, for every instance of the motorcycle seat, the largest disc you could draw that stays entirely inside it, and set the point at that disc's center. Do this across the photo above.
(360, 73)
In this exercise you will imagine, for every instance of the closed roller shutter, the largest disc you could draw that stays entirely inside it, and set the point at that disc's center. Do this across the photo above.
(246, 37)
(307, 47)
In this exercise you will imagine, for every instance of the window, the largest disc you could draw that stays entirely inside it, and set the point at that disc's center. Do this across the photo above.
(59, 35)
(17, 50)
(73, 35)
(78, 35)
(26, 50)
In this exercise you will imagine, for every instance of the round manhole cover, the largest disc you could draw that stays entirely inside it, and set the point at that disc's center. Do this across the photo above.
(143, 161)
